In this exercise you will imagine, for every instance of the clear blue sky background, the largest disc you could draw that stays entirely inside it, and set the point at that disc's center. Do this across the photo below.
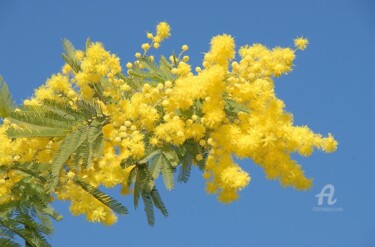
(330, 90)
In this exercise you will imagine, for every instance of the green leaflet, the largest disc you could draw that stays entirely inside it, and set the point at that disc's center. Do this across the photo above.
(149, 208)
(69, 48)
(35, 170)
(146, 75)
(98, 145)
(99, 90)
(150, 65)
(69, 57)
(155, 166)
(67, 148)
(175, 60)
(171, 156)
(35, 131)
(61, 114)
(94, 141)
(164, 162)
(88, 43)
(184, 172)
(39, 118)
(149, 156)
(28, 216)
(158, 202)
(72, 63)
(63, 109)
(128, 162)
(91, 108)
(153, 67)
(31, 236)
(8, 243)
(137, 194)
(192, 149)
(186, 160)
(167, 172)
(50, 211)
(144, 187)
(131, 161)
(103, 198)
(132, 83)
(235, 107)
(132, 174)
(153, 72)
(52, 119)
(166, 68)
(6, 102)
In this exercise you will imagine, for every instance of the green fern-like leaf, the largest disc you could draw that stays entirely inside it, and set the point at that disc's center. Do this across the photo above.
(131, 177)
(39, 118)
(72, 63)
(28, 215)
(147, 157)
(132, 83)
(155, 166)
(90, 108)
(94, 142)
(137, 194)
(69, 57)
(163, 163)
(6, 102)
(63, 109)
(167, 172)
(151, 76)
(166, 68)
(35, 131)
(69, 48)
(235, 107)
(158, 201)
(172, 157)
(88, 43)
(149, 208)
(67, 148)
(103, 198)
(32, 169)
(5, 232)
(184, 172)
(5, 242)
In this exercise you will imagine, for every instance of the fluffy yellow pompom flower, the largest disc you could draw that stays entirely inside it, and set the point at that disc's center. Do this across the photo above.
(222, 50)
(235, 178)
(162, 32)
(301, 43)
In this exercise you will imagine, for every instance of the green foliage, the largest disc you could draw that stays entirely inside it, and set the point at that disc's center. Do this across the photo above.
(151, 72)
(69, 57)
(28, 215)
(6, 242)
(6, 101)
(144, 186)
(232, 108)
(103, 198)
(35, 131)
(70, 144)
(164, 163)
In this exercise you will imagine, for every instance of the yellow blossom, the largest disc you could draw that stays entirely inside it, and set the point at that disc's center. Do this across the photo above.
(301, 43)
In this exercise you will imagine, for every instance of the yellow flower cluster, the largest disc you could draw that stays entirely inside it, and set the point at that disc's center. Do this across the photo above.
(228, 108)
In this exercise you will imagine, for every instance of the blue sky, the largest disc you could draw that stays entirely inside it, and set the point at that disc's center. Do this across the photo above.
(331, 90)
